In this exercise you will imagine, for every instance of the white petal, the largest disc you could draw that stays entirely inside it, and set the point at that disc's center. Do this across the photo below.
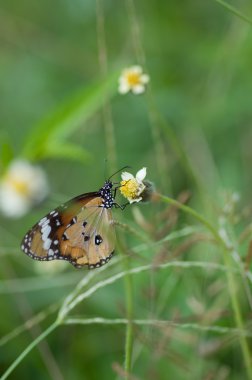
(134, 200)
(125, 73)
(145, 78)
(12, 204)
(123, 88)
(138, 89)
(15, 203)
(141, 188)
(141, 174)
(126, 176)
(136, 69)
(122, 80)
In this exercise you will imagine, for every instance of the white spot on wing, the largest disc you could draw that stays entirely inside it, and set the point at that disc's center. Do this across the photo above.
(47, 221)
(47, 244)
(45, 231)
(42, 221)
(50, 252)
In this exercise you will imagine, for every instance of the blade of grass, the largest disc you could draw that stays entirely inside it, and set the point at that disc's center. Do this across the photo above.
(73, 302)
(234, 10)
(157, 323)
(231, 280)
(28, 349)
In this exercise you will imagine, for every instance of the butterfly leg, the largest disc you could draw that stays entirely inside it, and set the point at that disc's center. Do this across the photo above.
(115, 190)
(122, 207)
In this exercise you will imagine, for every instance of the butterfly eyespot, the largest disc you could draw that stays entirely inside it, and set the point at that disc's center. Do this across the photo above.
(86, 238)
(98, 239)
(84, 224)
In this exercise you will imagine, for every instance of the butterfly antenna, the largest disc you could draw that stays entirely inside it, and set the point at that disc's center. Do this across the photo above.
(125, 167)
(105, 168)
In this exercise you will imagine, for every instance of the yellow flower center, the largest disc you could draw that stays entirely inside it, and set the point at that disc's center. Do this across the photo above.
(130, 188)
(19, 186)
(133, 79)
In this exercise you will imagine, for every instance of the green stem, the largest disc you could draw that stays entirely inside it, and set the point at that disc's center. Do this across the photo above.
(196, 215)
(235, 11)
(172, 139)
(230, 276)
(34, 343)
(106, 111)
(129, 328)
(237, 315)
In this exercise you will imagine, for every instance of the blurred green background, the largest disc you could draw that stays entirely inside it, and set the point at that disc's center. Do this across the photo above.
(199, 58)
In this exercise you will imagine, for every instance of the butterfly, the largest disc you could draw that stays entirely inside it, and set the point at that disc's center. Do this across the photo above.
(80, 231)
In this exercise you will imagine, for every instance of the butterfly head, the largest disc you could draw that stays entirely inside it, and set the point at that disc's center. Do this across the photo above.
(108, 185)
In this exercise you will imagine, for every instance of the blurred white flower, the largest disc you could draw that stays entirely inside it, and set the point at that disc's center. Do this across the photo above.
(133, 79)
(22, 186)
(132, 187)
(49, 268)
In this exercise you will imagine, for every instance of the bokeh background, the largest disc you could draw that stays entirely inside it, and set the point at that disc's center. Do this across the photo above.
(191, 129)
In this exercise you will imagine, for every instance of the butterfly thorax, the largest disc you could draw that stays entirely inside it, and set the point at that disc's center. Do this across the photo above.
(105, 193)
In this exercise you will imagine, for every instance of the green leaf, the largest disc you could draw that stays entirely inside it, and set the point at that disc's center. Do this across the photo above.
(66, 150)
(7, 155)
(69, 116)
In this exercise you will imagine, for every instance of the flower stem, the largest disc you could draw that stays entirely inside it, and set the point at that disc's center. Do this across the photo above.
(34, 343)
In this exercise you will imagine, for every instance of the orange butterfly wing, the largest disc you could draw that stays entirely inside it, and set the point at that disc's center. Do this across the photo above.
(81, 231)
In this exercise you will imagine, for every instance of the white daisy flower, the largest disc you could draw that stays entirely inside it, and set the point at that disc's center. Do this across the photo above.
(133, 79)
(132, 187)
(22, 186)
